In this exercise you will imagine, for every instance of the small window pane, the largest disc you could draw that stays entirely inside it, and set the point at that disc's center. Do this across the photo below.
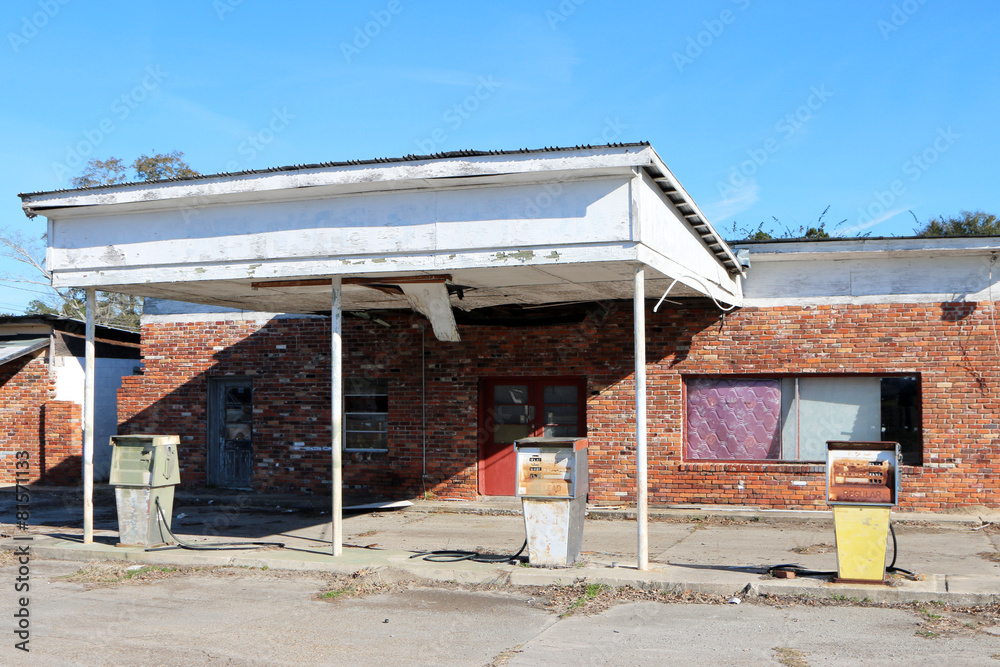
(505, 434)
(512, 414)
(366, 386)
(366, 404)
(560, 431)
(560, 394)
(366, 422)
(562, 414)
(237, 431)
(507, 394)
(366, 440)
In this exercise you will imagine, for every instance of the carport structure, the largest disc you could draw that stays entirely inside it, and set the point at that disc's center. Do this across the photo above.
(455, 230)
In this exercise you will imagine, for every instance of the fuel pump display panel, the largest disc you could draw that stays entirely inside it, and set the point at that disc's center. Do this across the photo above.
(551, 468)
(545, 473)
(862, 473)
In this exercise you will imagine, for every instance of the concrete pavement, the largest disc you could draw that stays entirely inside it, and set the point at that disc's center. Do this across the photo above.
(708, 550)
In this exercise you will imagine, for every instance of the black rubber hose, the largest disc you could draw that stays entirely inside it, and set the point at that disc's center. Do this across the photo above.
(446, 556)
(798, 570)
(892, 566)
(206, 546)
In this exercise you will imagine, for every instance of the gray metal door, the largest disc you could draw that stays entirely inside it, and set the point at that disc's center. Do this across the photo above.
(230, 438)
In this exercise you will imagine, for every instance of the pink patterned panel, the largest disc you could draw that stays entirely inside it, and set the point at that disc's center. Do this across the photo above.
(733, 419)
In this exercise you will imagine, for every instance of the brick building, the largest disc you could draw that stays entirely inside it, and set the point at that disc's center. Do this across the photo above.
(41, 395)
(475, 298)
(898, 342)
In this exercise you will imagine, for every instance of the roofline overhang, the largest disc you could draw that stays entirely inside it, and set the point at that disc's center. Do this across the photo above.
(457, 169)
(856, 248)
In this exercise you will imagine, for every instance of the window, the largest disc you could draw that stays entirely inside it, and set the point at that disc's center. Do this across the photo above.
(792, 418)
(366, 414)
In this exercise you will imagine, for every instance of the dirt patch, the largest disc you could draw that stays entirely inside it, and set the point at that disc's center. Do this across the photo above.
(359, 584)
(940, 623)
(102, 574)
(7, 557)
(821, 548)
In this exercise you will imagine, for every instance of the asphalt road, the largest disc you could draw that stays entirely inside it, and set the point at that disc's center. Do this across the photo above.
(250, 617)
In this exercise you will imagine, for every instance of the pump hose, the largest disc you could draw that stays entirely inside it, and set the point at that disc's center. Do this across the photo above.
(204, 546)
(446, 556)
(798, 570)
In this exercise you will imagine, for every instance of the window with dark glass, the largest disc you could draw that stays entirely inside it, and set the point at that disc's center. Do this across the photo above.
(366, 413)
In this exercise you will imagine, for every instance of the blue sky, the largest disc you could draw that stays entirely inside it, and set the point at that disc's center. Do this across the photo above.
(762, 109)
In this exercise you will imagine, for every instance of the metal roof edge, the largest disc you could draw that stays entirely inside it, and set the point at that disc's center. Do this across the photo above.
(346, 163)
(692, 213)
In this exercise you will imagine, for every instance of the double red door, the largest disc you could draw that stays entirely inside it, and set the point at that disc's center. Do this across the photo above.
(518, 407)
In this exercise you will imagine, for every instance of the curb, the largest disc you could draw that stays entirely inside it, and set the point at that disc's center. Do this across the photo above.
(963, 591)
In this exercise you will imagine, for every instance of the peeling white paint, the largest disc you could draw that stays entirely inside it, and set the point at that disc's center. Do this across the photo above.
(431, 300)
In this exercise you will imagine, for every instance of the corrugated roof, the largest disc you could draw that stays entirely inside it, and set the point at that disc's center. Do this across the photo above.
(662, 177)
(18, 345)
(347, 163)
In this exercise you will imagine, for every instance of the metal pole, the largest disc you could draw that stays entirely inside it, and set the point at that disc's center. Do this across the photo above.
(641, 494)
(88, 420)
(337, 412)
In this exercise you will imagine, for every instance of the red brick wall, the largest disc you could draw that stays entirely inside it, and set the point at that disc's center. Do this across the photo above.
(951, 346)
(63, 442)
(24, 389)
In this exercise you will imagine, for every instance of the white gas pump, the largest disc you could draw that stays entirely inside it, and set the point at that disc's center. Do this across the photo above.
(552, 483)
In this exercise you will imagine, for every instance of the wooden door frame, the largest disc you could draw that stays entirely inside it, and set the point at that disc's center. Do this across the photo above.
(532, 381)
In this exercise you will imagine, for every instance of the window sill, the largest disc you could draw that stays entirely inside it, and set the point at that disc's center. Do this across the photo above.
(753, 466)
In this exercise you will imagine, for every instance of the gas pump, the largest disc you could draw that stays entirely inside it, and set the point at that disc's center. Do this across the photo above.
(552, 482)
(862, 486)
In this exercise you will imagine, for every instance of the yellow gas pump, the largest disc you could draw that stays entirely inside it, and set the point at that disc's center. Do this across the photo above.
(862, 486)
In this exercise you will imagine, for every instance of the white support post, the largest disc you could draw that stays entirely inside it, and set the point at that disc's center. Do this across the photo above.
(88, 419)
(641, 492)
(337, 412)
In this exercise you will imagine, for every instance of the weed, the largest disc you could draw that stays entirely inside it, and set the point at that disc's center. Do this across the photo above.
(790, 657)
(329, 595)
(589, 593)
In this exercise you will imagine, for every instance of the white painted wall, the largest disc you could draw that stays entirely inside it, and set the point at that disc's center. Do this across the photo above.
(872, 277)
(381, 225)
(108, 374)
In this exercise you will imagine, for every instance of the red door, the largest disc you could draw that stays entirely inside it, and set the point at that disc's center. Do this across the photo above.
(515, 408)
